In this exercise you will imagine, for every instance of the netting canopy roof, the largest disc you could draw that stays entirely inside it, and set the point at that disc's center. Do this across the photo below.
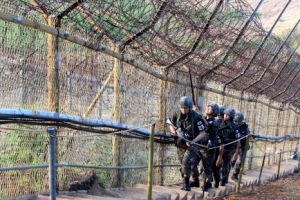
(217, 40)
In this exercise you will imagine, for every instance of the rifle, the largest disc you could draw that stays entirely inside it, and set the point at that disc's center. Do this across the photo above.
(179, 131)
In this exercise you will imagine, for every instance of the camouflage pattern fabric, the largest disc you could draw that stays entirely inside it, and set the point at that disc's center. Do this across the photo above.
(187, 158)
(237, 167)
(226, 166)
(216, 171)
(208, 162)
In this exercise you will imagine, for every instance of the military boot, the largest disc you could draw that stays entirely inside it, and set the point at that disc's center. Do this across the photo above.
(216, 185)
(226, 179)
(195, 183)
(234, 177)
(186, 184)
(223, 182)
(207, 185)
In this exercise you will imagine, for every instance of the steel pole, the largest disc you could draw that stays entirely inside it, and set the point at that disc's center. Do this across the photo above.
(52, 162)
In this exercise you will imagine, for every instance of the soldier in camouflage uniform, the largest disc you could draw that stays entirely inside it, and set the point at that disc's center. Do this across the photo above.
(210, 140)
(191, 123)
(230, 133)
(244, 131)
(218, 160)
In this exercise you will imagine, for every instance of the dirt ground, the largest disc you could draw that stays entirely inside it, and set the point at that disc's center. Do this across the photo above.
(287, 188)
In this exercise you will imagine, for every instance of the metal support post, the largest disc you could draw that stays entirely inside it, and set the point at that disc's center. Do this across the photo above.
(52, 162)
(298, 156)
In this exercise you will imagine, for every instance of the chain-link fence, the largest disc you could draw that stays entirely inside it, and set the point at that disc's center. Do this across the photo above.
(129, 62)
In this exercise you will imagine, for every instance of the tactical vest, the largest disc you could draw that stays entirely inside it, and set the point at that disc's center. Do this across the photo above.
(211, 132)
(221, 123)
(188, 125)
(229, 135)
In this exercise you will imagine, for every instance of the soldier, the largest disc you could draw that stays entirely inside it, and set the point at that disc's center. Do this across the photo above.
(192, 126)
(230, 133)
(244, 131)
(210, 140)
(218, 160)
(221, 112)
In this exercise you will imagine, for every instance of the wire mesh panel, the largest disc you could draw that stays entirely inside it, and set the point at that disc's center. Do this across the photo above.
(130, 62)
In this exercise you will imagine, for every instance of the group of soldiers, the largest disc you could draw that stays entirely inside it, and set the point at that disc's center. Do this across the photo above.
(217, 139)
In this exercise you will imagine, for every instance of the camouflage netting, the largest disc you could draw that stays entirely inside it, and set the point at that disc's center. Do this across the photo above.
(130, 63)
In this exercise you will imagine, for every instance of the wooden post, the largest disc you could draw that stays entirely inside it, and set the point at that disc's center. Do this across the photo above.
(161, 127)
(267, 132)
(279, 162)
(116, 140)
(252, 126)
(277, 132)
(286, 120)
(96, 99)
(51, 74)
(150, 162)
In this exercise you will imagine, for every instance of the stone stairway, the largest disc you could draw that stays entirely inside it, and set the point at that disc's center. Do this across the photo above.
(173, 192)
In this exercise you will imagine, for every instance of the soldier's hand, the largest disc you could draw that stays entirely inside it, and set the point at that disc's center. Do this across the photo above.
(195, 108)
(173, 131)
(188, 144)
(219, 162)
(235, 155)
(240, 151)
(173, 134)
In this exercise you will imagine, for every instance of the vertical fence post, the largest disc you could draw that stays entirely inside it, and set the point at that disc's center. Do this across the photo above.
(298, 156)
(243, 164)
(52, 162)
(116, 140)
(161, 126)
(150, 162)
(262, 166)
(279, 162)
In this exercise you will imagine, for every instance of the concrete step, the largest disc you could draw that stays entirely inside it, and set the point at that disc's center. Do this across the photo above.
(174, 192)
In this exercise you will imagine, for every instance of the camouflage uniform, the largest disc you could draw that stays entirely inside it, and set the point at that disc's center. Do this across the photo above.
(186, 154)
(217, 170)
(208, 157)
(229, 135)
(244, 130)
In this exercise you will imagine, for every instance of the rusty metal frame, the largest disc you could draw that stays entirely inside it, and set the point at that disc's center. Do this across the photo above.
(297, 73)
(273, 59)
(260, 47)
(213, 15)
(242, 32)
(278, 74)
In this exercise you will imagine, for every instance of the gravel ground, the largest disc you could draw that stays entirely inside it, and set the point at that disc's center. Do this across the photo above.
(284, 188)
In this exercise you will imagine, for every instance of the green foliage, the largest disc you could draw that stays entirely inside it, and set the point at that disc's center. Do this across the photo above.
(19, 148)
(23, 148)
(294, 38)
(291, 195)
(230, 15)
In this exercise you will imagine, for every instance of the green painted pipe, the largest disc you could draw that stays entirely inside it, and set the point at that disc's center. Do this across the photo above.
(243, 163)
(150, 162)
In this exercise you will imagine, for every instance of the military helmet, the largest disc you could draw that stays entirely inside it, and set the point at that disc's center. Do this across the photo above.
(215, 108)
(239, 117)
(230, 112)
(185, 102)
(221, 110)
